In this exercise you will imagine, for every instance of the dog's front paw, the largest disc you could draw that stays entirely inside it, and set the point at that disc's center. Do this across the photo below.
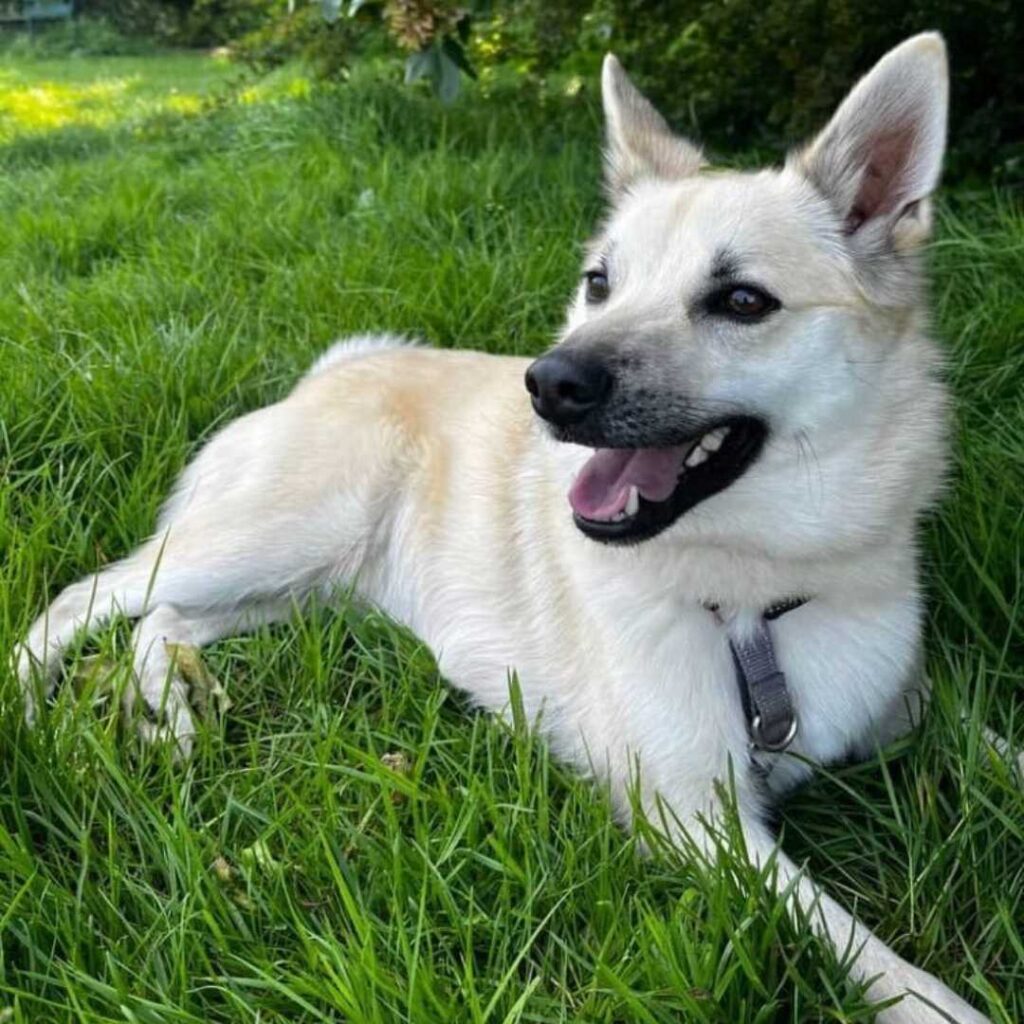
(171, 723)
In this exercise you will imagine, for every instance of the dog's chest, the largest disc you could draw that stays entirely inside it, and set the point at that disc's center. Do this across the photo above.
(622, 670)
(616, 684)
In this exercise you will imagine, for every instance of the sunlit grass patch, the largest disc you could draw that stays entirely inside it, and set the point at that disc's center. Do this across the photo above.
(297, 86)
(50, 105)
(44, 96)
(57, 109)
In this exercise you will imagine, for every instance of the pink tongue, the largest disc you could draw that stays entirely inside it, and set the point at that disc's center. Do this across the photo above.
(602, 488)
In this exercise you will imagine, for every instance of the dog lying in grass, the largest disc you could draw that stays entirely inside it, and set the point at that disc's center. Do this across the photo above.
(746, 414)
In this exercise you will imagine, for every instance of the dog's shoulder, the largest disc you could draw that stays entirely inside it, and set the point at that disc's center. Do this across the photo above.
(355, 347)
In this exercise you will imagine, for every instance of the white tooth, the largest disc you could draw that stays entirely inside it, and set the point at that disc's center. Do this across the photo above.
(697, 456)
(633, 502)
(712, 441)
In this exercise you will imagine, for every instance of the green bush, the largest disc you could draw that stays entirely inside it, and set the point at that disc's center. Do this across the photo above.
(739, 72)
(190, 23)
(743, 73)
(736, 73)
(157, 20)
(213, 22)
(303, 33)
(83, 37)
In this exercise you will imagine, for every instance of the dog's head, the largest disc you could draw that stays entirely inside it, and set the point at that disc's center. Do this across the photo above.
(751, 337)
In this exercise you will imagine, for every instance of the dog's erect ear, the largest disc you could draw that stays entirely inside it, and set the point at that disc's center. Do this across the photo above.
(639, 142)
(880, 156)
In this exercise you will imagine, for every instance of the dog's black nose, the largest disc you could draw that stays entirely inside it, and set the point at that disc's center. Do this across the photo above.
(564, 388)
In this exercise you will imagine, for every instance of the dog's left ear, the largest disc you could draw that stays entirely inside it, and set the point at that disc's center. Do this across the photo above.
(880, 156)
(640, 143)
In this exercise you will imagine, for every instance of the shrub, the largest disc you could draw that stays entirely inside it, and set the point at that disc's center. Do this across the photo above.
(740, 72)
(328, 46)
(214, 22)
(185, 22)
(157, 20)
(83, 37)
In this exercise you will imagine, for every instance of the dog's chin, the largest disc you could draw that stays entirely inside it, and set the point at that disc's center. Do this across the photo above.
(629, 495)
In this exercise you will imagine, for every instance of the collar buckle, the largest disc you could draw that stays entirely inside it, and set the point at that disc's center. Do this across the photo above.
(759, 741)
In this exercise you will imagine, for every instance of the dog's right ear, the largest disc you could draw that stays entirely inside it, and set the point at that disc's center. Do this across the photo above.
(879, 158)
(640, 143)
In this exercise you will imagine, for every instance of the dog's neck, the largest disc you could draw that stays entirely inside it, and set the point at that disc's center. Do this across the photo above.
(747, 581)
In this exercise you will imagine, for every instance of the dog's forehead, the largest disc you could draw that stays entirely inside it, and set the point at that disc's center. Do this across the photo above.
(761, 223)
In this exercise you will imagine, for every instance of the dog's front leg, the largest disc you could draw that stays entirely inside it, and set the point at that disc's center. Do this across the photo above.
(159, 684)
(923, 999)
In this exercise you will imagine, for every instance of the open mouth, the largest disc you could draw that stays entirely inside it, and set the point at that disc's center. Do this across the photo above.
(631, 494)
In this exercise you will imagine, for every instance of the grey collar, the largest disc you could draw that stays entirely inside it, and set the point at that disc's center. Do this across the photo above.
(771, 719)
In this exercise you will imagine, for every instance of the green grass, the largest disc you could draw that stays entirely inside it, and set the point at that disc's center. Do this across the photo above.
(165, 265)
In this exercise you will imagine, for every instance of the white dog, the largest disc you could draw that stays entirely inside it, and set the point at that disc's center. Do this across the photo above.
(746, 414)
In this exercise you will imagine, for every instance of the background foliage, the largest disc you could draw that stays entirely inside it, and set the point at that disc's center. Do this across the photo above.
(738, 73)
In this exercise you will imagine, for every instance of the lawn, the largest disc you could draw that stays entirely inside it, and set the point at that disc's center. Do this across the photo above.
(351, 842)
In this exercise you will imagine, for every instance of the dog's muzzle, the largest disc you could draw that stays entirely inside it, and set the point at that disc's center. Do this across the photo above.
(647, 469)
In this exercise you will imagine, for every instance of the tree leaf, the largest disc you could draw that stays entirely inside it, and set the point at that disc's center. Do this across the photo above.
(454, 50)
(422, 65)
(449, 80)
(330, 9)
(369, 7)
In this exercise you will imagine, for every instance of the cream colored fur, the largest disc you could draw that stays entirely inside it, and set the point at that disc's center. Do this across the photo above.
(422, 480)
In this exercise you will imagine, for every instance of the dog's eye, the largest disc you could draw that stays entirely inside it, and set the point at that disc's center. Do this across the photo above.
(597, 289)
(742, 302)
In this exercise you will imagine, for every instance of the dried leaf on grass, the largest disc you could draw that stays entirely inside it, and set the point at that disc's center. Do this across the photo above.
(209, 696)
(232, 882)
(400, 764)
(397, 762)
